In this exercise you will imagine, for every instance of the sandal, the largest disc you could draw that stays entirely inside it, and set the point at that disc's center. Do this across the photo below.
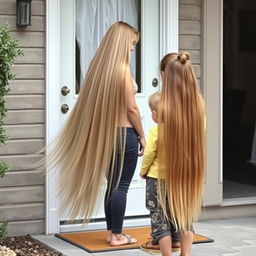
(130, 240)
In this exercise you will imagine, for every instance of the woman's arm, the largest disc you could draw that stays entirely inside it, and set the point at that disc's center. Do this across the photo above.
(133, 112)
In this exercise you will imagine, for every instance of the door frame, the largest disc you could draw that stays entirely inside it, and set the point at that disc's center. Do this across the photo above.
(212, 81)
(168, 43)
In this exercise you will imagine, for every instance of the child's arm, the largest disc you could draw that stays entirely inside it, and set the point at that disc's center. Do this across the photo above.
(150, 152)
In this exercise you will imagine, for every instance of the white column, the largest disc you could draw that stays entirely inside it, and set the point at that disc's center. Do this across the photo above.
(212, 71)
(169, 26)
(52, 120)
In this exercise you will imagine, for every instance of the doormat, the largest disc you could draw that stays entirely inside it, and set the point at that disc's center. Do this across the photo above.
(94, 241)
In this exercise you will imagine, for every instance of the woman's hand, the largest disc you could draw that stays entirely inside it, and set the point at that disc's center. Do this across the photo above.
(142, 142)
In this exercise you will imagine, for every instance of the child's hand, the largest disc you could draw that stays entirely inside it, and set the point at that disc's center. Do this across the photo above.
(142, 146)
(143, 176)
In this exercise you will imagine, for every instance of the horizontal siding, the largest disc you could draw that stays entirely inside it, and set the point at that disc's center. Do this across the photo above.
(26, 87)
(190, 42)
(197, 70)
(33, 211)
(22, 178)
(190, 2)
(19, 228)
(33, 71)
(190, 32)
(17, 195)
(37, 21)
(20, 162)
(25, 102)
(25, 131)
(192, 13)
(22, 189)
(189, 27)
(8, 7)
(29, 39)
(22, 146)
(31, 55)
(24, 117)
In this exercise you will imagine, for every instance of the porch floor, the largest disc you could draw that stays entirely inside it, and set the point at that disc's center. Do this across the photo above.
(233, 189)
(233, 237)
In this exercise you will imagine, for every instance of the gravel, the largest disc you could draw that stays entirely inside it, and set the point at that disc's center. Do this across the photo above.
(25, 246)
(5, 251)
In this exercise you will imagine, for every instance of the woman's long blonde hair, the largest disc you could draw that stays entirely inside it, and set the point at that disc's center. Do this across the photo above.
(181, 141)
(88, 142)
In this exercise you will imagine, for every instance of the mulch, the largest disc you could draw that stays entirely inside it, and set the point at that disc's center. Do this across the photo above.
(27, 246)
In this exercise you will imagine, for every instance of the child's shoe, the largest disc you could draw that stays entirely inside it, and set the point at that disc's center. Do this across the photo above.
(154, 248)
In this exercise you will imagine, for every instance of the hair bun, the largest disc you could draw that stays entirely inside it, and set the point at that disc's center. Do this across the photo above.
(183, 57)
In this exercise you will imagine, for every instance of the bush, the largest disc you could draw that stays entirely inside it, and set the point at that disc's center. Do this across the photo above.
(8, 53)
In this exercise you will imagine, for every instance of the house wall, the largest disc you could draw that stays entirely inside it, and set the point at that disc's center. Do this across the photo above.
(22, 189)
(190, 31)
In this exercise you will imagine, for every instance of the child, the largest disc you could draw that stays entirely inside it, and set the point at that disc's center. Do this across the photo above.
(160, 226)
(181, 149)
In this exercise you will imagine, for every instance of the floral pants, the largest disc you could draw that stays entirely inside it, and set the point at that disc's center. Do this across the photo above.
(160, 226)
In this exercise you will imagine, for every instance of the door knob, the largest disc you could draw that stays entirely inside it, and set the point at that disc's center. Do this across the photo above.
(155, 82)
(64, 108)
(65, 90)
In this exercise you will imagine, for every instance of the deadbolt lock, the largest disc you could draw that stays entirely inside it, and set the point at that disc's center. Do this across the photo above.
(65, 90)
(64, 108)
(155, 82)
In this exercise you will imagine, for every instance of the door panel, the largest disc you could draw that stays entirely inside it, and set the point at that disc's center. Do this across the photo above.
(147, 70)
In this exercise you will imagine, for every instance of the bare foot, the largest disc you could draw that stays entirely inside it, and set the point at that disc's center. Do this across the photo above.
(109, 236)
(122, 239)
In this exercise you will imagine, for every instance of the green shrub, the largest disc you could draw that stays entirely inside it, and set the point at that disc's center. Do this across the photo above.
(8, 53)
(3, 229)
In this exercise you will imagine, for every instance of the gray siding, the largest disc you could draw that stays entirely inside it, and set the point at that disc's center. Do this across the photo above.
(190, 31)
(22, 189)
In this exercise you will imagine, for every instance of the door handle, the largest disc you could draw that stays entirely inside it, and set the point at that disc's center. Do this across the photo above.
(65, 90)
(155, 82)
(64, 108)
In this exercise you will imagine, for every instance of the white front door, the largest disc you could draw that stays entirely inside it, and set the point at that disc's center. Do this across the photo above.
(60, 72)
(147, 69)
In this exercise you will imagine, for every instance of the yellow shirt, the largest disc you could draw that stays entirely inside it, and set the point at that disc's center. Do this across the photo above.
(150, 159)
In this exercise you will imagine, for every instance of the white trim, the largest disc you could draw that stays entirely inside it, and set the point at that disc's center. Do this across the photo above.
(52, 108)
(168, 43)
(221, 94)
(212, 70)
(239, 201)
(169, 26)
(140, 222)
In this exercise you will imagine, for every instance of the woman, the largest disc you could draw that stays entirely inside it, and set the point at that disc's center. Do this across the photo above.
(101, 136)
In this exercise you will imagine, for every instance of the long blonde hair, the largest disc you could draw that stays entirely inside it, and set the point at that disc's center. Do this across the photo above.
(88, 142)
(181, 141)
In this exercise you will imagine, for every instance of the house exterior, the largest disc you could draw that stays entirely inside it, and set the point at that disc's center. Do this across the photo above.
(27, 198)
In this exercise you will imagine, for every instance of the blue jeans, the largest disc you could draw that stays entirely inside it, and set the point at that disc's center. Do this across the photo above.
(115, 197)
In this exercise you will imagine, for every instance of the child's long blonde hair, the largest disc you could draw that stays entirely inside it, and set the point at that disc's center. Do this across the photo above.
(88, 142)
(181, 141)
